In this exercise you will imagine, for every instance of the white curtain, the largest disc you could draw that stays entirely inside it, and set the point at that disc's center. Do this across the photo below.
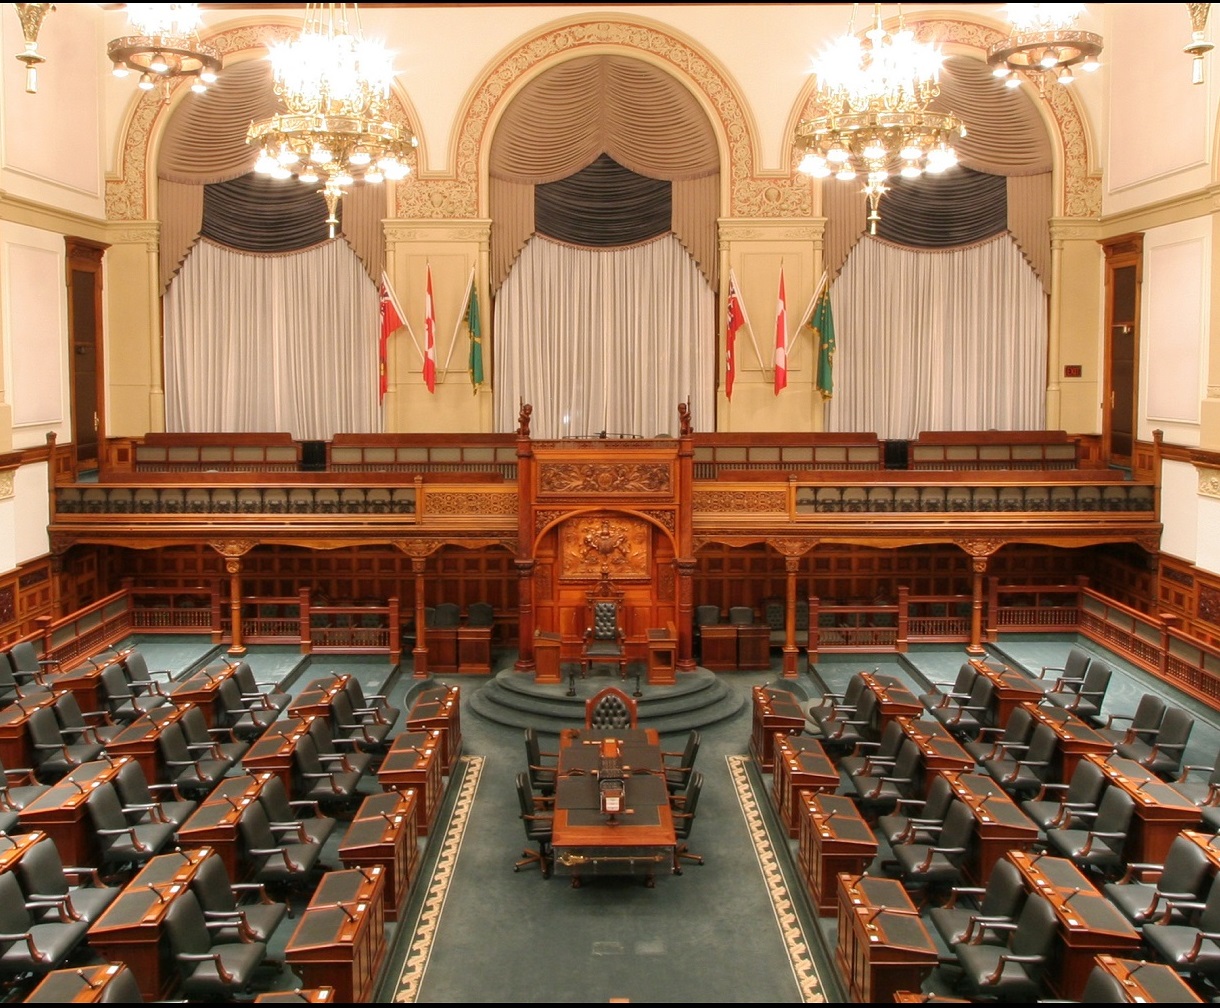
(935, 341)
(605, 340)
(272, 343)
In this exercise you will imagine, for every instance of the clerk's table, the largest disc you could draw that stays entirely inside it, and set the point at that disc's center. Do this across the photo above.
(637, 837)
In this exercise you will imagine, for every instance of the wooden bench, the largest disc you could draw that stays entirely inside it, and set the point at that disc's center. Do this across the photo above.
(1051, 449)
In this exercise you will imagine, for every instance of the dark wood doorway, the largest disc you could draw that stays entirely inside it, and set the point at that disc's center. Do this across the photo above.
(84, 280)
(1120, 389)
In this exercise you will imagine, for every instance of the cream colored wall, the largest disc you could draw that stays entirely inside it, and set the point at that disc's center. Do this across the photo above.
(1077, 311)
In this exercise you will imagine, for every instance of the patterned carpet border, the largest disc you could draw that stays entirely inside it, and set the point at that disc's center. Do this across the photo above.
(804, 969)
(415, 962)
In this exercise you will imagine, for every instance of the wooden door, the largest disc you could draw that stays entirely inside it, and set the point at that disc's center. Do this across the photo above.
(1120, 390)
(84, 281)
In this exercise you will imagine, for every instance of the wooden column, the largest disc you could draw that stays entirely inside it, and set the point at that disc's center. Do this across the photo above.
(233, 551)
(791, 565)
(420, 653)
(525, 616)
(686, 615)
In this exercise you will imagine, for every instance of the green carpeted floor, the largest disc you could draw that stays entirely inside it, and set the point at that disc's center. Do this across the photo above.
(737, 928)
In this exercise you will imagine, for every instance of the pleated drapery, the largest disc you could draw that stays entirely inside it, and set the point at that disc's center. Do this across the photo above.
(948, 340)
(604, 340)
(568, 117)
(1005, 136)
(225, 372)
(205, 143)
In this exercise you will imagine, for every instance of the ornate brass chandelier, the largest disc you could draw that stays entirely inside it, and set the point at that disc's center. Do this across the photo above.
(876, 122)
(164, 48)
(335, 89)
(1045, 42)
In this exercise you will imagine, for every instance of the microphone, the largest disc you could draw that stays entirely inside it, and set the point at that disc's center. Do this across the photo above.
(1074, 893)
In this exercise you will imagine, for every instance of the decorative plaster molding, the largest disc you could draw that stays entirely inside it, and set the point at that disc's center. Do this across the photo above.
(7, 491)
(1209, 482)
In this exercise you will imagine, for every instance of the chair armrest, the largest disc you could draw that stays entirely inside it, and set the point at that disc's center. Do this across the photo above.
(25, 936)
(130, 831)
(1007, 957)
(957, 892)
(213, 957)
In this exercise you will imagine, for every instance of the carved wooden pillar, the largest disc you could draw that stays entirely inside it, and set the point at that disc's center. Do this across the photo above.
(978, 568)
(419, 656)
(233, 550)
(525, 616)
(792, 551)
(686, 615)
(791, 566)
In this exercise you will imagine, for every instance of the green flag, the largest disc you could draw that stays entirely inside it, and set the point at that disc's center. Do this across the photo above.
(476, 339)
(823, 325)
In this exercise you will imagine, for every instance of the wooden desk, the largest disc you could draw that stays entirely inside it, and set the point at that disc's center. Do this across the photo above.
(202, 688)
(883, 946)
(1000, 825)
(474, 650)
(413, 762)
(1161, 812)
(775, 710)
(1012, 688)
(1088, 922)
(662, 656)
(273, 750)
(1147, 982)
(16, 749)
(384, 833)
(718, 647)
(800, 765)
(130, 929)
(340, 939)
(13, 848)
(586, 841)
(316, 698)
(81, 985)
(1076, 739)
(835, 839)
(440, 709)
(141, 740)
(62, 811)
(216, 822)
(442, 644)
(939, 748)
(893, 700)
(753, 647)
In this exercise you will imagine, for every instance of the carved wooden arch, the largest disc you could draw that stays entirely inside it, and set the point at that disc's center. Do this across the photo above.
(1079, 186)
(131, 191)
(463, 192)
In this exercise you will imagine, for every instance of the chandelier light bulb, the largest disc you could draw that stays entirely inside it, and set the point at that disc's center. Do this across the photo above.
(163, 44)
(335, 86)
(873, 96)
(265, 164)
(280, 172)
(146, 82)
(1065, 76)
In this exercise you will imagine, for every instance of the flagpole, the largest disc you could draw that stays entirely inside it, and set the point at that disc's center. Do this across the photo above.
(458, 324)
(745, 315)
(817, 292)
